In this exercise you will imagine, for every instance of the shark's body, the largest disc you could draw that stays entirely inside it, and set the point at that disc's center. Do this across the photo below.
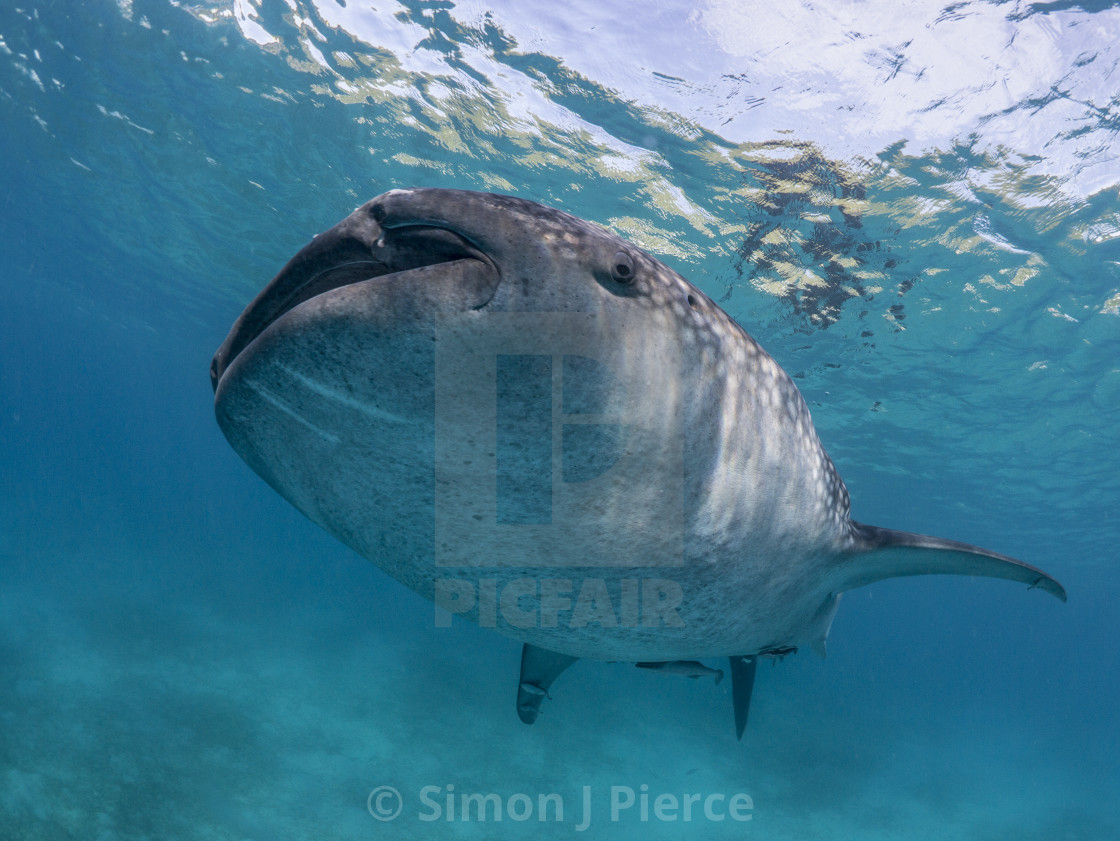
(541, 427)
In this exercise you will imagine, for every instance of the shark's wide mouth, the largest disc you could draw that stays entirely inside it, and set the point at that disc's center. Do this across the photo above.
(344, 257)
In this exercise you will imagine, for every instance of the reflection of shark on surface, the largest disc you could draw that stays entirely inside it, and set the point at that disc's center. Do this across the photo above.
(412, 381)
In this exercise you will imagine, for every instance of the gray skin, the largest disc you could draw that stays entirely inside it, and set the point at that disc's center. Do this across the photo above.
(690, 510)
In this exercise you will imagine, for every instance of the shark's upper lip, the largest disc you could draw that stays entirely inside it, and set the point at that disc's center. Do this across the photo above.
(337, 258)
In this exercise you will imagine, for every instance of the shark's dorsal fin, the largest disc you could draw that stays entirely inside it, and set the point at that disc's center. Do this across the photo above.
(539, 668)
(875, 554)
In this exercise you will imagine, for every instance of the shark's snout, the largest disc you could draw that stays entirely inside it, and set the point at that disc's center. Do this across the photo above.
(361, 249)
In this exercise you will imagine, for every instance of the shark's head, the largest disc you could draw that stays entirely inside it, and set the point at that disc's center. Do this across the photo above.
(409, 256)
(433, 305)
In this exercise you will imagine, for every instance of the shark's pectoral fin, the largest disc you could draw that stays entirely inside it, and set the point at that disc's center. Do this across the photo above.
(742, 685)
(877, 553)
(539, 668)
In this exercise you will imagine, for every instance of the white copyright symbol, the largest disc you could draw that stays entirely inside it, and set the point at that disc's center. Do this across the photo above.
(384, 803)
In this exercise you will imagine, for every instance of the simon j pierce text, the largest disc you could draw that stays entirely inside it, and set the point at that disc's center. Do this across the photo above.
(623, 803)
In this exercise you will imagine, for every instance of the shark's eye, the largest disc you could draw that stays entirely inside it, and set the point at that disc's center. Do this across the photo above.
(622, 267)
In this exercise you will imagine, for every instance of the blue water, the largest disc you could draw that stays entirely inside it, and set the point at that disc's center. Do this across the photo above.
(916, 212)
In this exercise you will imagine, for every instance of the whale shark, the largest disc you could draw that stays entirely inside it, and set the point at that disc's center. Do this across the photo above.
(544, 429)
